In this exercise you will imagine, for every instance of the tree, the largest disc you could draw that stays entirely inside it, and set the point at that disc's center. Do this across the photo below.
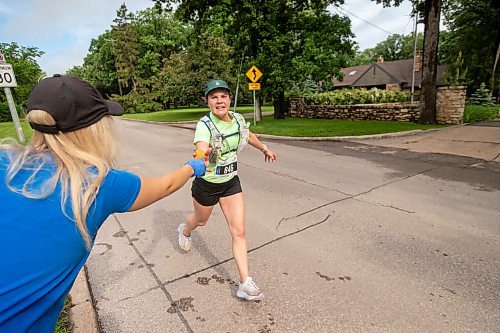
(25, 67)
(395, 47)
(126, 48)
(428, 97)
(126, 60)
(288, 41)
(482, 96)
(160, 34)
(184, 74)
(99, 65)
(431, 17)
(76, 71)
(474, 32)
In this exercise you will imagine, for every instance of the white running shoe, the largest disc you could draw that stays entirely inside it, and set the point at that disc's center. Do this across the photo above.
(249, 291)
(184, 242)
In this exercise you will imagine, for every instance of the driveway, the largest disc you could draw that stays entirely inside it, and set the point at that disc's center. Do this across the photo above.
(481, 141)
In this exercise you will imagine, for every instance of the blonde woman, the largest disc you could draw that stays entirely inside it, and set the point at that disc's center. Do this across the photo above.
(223, 134)
(55, 194)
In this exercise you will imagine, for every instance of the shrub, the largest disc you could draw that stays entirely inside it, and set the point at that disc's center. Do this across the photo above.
(475, 113)
(356, 96)
(135, 103)
(5, 112)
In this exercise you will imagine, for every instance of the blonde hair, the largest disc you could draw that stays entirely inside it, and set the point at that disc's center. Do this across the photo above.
(83, 158)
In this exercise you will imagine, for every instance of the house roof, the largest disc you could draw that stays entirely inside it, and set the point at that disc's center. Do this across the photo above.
(351, 75)
(398, 71)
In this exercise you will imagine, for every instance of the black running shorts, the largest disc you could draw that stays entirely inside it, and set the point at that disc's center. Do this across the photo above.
(208, 194)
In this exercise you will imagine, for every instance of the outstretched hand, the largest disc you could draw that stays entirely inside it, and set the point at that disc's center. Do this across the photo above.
(199, 153)
(269, 155)
(200, 162)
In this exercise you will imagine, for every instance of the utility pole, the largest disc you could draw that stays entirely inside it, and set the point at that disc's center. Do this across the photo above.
(414, 55)
(238, 83)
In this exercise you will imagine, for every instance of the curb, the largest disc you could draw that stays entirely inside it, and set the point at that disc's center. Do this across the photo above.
(343, 138)
(82, 313)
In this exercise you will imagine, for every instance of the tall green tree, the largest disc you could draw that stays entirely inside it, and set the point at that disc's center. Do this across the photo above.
(289, 41)
(184, 74)
(160, 34)
(25, 66)
(395, 47)
(398, 47)
(474, 32)
(99, 65)
(126, 48)
(127, 58)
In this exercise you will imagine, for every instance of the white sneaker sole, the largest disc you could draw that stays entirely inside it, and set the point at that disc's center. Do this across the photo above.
(179, 231)
(244, 295)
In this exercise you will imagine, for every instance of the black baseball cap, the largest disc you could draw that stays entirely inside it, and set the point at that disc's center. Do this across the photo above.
(72, 102)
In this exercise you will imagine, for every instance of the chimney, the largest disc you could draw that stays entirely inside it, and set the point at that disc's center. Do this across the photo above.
(418, 60)
(380, 59)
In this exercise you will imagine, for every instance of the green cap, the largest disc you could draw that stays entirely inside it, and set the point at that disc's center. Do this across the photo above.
(215, 84)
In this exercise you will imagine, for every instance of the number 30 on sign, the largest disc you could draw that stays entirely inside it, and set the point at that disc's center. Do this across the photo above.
(7, 78)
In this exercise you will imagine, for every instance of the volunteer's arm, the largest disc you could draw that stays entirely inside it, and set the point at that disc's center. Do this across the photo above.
(154, 189)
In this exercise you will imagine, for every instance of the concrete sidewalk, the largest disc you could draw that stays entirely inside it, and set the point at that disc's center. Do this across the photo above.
(481, 141)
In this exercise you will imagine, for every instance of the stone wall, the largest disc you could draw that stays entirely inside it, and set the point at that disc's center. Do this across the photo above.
(450, 109)
(450, 105)
(388, 111)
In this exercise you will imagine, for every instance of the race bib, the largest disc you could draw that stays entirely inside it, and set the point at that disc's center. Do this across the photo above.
(226, 168)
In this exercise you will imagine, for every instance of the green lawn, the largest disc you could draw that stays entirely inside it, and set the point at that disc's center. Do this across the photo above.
(185, 114)
(63, 324)
(331, 127)
(299, 127)
(7, 130)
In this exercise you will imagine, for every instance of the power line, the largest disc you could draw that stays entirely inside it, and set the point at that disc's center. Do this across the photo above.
(362, 19)
(409, 20)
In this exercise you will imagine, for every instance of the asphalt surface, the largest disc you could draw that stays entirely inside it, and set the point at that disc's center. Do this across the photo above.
(397, 234)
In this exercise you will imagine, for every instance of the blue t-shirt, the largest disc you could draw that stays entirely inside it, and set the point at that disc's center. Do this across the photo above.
(42, 251)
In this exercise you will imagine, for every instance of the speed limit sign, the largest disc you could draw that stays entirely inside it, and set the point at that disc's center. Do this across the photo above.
(7, 78)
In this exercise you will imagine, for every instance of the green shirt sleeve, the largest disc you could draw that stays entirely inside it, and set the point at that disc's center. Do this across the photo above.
(202, 133)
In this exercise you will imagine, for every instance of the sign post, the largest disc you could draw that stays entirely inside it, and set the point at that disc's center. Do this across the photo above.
(7, 80)
(254, 74)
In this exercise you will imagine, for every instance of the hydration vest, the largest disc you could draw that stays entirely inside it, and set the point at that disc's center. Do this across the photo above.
(216, 137)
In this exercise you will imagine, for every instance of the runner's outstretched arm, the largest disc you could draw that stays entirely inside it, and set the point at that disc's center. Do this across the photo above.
(269, 155)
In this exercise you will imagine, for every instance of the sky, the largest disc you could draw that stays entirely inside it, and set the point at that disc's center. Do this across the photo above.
(63, 29)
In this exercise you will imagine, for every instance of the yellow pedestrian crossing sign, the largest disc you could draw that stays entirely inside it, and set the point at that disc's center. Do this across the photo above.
(254, 74)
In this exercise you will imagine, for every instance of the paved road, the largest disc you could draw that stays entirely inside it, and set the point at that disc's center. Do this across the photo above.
(343, 237)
